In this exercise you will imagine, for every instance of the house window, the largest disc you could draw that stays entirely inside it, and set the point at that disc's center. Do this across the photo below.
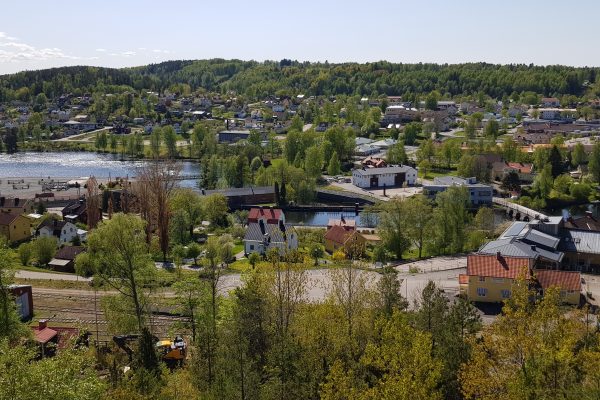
(481, 292)
(505, 293)
(251, 247)
(482, 279)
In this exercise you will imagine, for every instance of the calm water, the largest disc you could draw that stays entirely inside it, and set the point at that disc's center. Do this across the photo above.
(77, 164)
(320, 218)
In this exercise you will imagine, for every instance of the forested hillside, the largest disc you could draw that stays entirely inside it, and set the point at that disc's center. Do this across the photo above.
(257, 79)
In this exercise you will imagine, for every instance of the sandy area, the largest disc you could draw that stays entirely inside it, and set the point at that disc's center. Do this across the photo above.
(28, 187)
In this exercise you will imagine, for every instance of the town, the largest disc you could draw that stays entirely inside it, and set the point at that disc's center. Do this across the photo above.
(181, 228)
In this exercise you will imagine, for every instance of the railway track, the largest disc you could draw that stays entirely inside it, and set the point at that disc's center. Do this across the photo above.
(160, 315)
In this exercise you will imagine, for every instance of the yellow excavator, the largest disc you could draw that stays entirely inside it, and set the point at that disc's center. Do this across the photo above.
(171, 351)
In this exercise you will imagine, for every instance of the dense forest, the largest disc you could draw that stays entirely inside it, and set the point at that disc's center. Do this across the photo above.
(258, 79)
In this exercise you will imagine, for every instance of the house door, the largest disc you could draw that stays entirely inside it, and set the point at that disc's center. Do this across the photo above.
(374, 181)
(399, 179)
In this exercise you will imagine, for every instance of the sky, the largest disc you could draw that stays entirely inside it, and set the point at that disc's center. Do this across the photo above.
(39, 34)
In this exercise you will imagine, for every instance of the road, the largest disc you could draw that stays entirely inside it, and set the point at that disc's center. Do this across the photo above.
(443, 271)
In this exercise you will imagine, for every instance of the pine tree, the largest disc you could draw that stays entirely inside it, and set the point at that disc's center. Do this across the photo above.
(334, 164)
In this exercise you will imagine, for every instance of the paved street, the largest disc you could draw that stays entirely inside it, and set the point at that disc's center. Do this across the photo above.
(443, 271)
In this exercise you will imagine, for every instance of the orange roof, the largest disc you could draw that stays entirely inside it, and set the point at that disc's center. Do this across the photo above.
(497, 266)
(563, 279)
(44, 335)
(523, 168)
(337, 234)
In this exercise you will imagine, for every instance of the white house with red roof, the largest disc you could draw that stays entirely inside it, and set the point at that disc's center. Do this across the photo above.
(266, 230)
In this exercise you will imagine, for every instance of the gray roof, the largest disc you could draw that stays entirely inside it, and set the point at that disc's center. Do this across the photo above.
(361, 140)
(513, 247)
(525, 232)
(543, 239)
(255, 232)
(586, 242)
(394, 169)
(446, 181)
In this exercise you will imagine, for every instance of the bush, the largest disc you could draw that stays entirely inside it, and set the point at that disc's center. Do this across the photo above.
(44, 249)
(25, 253)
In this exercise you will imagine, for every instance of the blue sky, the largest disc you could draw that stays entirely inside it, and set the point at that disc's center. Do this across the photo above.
(39, 33)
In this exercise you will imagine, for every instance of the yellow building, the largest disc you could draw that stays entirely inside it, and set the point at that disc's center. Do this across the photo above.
(14, 227)
(349, 240)
(568, 282)
(490, 278)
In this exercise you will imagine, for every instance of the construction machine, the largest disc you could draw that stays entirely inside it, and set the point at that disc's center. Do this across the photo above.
(171, 351)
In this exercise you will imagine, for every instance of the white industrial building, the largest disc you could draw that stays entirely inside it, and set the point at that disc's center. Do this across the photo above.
(390, 176)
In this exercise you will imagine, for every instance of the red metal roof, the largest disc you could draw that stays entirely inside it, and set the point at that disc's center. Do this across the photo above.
(563, 279)
(44, 335)
(497, 266)
(272, 215)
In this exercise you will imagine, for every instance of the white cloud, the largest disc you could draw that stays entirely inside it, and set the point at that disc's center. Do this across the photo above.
(128, 53)
(101, 50)
(12, 50)
(161, 51)
(4, 36)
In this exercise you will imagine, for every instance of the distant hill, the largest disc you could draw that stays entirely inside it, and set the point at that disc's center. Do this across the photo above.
(257, 79)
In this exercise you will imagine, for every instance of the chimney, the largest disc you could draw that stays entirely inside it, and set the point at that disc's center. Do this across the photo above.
(42, 324)
(533, 247)
(498, 256)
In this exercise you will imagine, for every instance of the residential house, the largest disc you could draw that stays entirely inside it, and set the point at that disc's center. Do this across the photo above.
(399, 114)
(523, 170)
(349, 240)
(490, 278)
(390, 176)
(63, 231)
(267, 215)
(550, 102)
(261, 237)
(14, 227)
(75, 212)
(64, 260)
(478, 192)
(373, 162)
(15, 205)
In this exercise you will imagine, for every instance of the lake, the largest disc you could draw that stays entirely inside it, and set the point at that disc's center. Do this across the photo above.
(78, 164)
